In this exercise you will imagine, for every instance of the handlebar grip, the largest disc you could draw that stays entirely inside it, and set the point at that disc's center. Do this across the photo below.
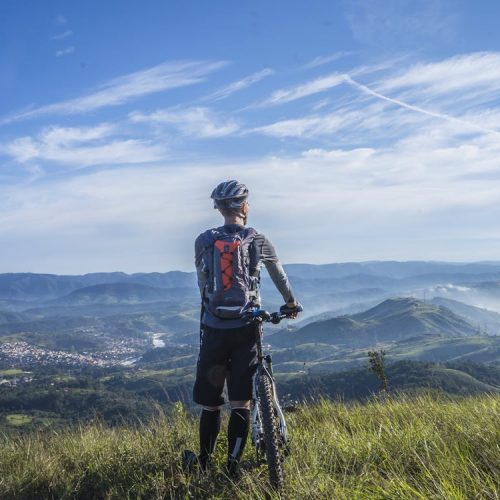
(284, 309)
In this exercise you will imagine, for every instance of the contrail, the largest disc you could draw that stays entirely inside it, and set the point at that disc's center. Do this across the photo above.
(442, 116)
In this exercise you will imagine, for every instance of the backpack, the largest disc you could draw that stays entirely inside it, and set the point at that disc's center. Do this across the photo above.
(232, 279)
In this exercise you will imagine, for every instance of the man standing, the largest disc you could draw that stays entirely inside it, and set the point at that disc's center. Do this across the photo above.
(228, 260)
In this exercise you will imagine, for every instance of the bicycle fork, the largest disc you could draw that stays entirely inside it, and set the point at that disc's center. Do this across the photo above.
(265, 369)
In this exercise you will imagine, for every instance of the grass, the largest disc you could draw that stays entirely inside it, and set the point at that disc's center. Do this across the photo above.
(18, 419)
(405, 447)
(12, 372)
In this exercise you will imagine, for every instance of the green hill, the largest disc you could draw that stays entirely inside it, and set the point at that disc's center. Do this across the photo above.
(392, 320)
(476, 349)
(321, 358)
(406, 448)
(405, 376)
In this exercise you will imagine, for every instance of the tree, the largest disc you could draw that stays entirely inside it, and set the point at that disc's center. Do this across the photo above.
(377, 366)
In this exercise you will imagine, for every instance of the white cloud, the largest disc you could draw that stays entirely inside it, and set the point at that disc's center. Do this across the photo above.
(63, 35)
(125, 88)
(198, 122)
(366, 203)
(321, 60)
(442, 116)
(233, 87)
(67, 135)
(358, 114)
(402, 173)
(321, 84)
(309, 126)
(66, 51)
(82, 147)
(460, 74)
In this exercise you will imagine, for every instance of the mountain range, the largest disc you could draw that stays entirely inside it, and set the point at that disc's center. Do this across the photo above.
(392, 320)
(408, 308)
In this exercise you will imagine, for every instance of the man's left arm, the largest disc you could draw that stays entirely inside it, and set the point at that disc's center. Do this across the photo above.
(201, 274)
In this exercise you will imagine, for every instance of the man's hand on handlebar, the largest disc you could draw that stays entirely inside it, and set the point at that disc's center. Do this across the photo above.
(291, 309)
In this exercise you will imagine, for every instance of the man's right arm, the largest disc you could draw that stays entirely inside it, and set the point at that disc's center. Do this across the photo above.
(275, 270)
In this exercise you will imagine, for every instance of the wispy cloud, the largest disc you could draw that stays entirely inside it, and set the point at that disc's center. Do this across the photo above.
(441, 116)
(82, 147)
(233, 87)
(321, 84)
(462, 77)
(308, 126)
(432, 90)
(63, 35)
(198, 122)
(125, 88)
(65, 51)
(321, 60)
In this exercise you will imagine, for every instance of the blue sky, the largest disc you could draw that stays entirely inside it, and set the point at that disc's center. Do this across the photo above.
(365, 130)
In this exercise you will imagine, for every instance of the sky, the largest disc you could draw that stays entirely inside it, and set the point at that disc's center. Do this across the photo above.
(364, 129)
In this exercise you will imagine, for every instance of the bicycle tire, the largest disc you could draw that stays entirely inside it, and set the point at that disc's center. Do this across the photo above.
(269, 425)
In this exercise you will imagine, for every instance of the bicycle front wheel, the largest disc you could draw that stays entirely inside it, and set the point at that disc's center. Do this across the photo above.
(270, 428)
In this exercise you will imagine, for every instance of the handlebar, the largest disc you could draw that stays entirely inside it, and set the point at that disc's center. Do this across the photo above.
(260, 315)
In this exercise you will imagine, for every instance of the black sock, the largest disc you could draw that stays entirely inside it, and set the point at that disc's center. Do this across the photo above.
(209, 430)
(237, 432)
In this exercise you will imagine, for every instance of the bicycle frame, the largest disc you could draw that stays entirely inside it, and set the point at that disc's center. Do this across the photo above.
(264, 369)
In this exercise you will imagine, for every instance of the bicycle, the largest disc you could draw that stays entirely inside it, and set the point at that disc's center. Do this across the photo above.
(269, 430)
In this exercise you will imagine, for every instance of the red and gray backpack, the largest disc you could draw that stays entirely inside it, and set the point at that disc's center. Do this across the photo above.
(232, 279)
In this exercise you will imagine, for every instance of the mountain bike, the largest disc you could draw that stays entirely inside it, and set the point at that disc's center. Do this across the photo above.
(269, 431)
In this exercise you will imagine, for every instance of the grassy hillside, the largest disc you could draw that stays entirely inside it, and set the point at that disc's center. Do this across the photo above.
(421, 447)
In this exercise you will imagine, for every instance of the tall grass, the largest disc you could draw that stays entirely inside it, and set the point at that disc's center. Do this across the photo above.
(416, 447)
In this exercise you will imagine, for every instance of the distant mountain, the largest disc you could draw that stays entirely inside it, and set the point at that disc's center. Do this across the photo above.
(487, 321)
(392, 320)
(390, 269)
(353, 308)
(352, 282)
(483, 294)
(171, 279)
(12, 317)
(114, 293)
(490, 287)
(30, 286)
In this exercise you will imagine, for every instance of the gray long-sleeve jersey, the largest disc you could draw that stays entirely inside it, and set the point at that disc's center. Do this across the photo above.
(264, 254)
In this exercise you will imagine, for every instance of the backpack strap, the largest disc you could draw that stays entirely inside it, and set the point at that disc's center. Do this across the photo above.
(254, 260)
(248, 238)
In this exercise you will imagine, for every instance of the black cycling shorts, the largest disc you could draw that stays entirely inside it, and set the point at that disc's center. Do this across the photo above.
(225, 355)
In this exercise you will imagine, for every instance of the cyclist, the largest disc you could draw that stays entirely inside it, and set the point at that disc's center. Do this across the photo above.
(228, 341)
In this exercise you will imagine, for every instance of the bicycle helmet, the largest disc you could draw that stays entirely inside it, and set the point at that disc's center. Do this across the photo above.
(229, 195)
